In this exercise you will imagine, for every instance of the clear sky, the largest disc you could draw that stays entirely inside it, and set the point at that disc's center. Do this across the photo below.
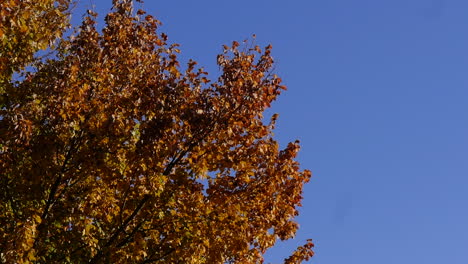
(378, 96)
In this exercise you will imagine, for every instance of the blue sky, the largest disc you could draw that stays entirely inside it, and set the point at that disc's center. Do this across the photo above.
(378, 96)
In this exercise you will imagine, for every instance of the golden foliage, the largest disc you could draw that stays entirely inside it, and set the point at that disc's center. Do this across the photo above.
(26, 27)
(110, 152)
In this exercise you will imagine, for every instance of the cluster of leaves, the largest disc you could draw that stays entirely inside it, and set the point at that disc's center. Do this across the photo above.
(26, 27)
(110, 152)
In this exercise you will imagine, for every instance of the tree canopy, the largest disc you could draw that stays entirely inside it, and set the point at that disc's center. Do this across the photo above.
(113, 152)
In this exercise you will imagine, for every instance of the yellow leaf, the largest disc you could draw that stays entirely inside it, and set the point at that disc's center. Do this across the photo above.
(37, 218)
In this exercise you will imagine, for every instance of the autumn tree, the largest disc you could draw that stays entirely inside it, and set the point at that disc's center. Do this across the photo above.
(112, 152)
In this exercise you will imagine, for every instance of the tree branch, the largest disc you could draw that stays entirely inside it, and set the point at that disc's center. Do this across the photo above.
(53, 190)
(120, 229)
